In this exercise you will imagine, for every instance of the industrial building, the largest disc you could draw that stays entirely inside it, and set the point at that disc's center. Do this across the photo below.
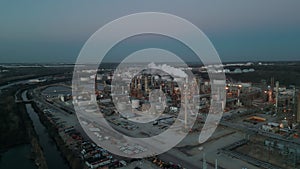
(298, 108)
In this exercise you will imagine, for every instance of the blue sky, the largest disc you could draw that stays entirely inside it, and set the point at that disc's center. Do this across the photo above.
(54, 31)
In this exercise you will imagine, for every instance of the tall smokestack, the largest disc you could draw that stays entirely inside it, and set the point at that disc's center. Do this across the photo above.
(277, 96)
(272, 82)
(298, 108)
(270, 94)
(238, 95)
(96, 85)
(135, 83)
(185, 109)
(152, 80)
(123, 90)
(104, 83)
(140, 83)
(146, 84)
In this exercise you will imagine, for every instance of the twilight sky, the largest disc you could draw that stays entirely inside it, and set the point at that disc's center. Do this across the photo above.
(54, 31)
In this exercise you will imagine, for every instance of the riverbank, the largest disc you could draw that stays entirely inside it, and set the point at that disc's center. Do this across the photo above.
(74, 161)
(25, 73)
(17, 128)
(11, 123)
(17, 157)
(38, 154)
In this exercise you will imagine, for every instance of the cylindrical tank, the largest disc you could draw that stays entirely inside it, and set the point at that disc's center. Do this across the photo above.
(84, 79)
(121, 106)
(156, 77)
(99, 77)
(158, 107)
(135, 104)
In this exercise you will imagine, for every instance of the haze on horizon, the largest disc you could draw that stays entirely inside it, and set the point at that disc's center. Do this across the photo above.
(55, 31)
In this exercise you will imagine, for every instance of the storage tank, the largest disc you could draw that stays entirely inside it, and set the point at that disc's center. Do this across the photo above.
(156, 77)
(99, 77)
(158, 107)
(135, 103)
(84, 79)
(121, 106)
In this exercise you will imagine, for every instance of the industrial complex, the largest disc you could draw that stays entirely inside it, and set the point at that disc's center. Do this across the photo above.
(259, 127)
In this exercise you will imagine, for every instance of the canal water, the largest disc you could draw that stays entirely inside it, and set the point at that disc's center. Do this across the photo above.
(17, 157)
(53, 156)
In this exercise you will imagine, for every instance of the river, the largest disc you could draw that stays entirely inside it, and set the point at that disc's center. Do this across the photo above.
(17, 157)
(52, 155)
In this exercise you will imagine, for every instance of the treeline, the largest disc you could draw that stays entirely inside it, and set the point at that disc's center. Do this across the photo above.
(285, 74)
(12, 123)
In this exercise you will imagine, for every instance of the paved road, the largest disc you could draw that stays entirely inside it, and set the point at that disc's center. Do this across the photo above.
(170, 157)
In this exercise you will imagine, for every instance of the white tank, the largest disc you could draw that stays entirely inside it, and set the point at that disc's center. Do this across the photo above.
(84, 79)
(156, 77)
(121, 106)
(92, 76)
(135, 104)
(109, 77)
(158, 107)
(99, 77)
